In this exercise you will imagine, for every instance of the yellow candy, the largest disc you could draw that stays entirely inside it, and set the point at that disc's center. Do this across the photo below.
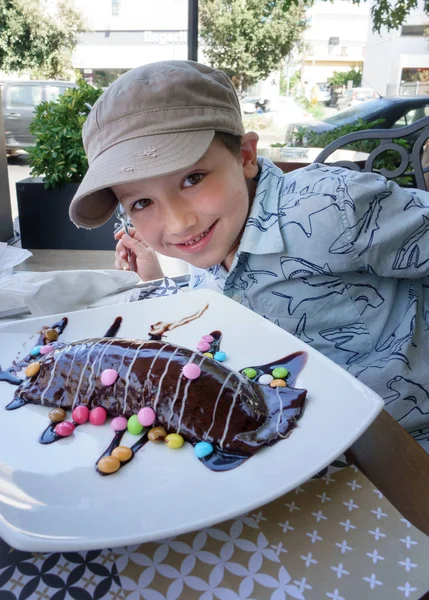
(57, 415)
(157, 434)
(122, 453)
(174, 440)
(108, 464)
(278, 383)
(51, 335)
(208, 354)
(32, 369)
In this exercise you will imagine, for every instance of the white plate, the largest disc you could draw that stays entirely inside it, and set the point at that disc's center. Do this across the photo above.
(52, 499)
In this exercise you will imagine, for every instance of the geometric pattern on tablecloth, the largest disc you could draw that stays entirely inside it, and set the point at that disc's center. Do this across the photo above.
(335, 537)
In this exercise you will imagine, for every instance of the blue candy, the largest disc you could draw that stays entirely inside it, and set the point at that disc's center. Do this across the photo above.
(203, 449)
(35, 351)
(220, 356)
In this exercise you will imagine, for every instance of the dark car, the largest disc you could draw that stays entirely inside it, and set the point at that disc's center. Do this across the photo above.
(396, 111)
(19, 99)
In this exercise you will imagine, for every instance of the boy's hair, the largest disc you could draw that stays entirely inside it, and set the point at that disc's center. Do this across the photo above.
(230, 141)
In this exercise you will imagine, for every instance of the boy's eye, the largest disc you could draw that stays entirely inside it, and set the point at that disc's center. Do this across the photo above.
(143, 203)
(193, 179)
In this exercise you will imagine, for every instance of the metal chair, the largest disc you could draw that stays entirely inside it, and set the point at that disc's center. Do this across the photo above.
(414, 160)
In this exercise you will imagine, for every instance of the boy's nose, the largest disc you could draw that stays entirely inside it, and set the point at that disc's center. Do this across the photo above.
(178, 219)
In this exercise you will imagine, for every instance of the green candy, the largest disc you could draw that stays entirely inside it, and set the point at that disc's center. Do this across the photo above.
(280, 373)
(134, 426)
(250, 373)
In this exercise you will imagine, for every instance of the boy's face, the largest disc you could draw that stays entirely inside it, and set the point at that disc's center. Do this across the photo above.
(196, 214)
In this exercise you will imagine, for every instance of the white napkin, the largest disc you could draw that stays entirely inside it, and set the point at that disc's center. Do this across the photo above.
(61, 291)
(11, 257)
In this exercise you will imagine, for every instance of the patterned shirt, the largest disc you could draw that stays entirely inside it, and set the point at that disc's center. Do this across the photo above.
(340, 259)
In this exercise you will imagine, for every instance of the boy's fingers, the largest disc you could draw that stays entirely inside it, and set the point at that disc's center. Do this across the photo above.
(137, 246)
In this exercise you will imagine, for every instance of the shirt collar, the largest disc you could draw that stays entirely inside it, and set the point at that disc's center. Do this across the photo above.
(262, 233)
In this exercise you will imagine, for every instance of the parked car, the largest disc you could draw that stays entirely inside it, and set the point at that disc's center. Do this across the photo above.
(253, 105)
(19, 99)
(354, 96)
(396, 111)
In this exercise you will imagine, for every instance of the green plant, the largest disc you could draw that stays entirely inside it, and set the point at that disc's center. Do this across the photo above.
(339, 79)
(59, 155)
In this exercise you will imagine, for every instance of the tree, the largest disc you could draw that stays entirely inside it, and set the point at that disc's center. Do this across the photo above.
(339, 78)
(249, 38)
(383, 12)
(32, 39)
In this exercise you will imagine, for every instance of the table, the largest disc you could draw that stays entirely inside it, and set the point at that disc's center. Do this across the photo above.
(287, 161)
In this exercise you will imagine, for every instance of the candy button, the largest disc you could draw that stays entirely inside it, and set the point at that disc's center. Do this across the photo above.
(146, 416)
(51, 335)
(279, 373)
(57, 415)
(220, 356)
(208, 338)
(134, 426)
(191, 371)
(174, 440)
(119, 424)
(109, 376)
(32, 369)
(46, 349)
(80, 414)
(122, 453)
(203, 346)
(108, 464)
(35, 351)
(208, 354)
(98, 416)
(278, 383)
(203, 449)
(157, 434)
(64, 429)
(265, 379)
(250, 372)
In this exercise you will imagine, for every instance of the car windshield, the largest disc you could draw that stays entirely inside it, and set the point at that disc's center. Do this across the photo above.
(360, 111)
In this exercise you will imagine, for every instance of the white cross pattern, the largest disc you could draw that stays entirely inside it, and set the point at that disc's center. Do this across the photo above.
(377, 533)
(286, 527)
(279, 548)
(354, 485)
(350, 505)
(347, 525)
(319, 516)
(299, 490)
(328, 479)
(407, 589)
(324, 498)
(335, 595)
(380, 495)
(314, 537)
(407, 523)
(373, 581)
(408, 542)
(375, 556)
(303, 585)
(340, 570)
(259, 517)
(309, 560)
(292, 506)
(379, 513)
(407, 564)
(343, 546)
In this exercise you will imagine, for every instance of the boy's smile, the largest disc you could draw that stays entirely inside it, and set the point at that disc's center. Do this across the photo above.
(196, 214)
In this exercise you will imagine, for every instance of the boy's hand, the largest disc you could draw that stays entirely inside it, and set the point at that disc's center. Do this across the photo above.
(142, 259)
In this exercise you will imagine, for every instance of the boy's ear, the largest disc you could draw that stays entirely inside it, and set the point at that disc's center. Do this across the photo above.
(249, 145)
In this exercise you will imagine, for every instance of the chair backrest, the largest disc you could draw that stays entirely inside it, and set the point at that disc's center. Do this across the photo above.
(414, 159)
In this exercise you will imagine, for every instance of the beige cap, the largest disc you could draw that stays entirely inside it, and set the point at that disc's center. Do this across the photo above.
(153, 120)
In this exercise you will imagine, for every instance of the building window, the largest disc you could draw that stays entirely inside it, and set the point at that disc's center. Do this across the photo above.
(414, 29)
(116, 7)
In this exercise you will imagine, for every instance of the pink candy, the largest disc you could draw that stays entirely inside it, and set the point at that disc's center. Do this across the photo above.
(109, 376)
(208, 338)
(191, 371)
(46, 349)
(80, 414)
(146, 416)
(98, 416)
(203, 346)
(64, 429)
(119, 424)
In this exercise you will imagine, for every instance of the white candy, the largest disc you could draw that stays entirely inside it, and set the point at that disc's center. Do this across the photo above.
(265, 379)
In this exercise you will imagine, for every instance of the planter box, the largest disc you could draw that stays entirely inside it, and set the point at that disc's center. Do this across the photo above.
(44, 220)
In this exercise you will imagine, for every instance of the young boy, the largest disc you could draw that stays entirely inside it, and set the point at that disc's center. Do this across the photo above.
(338, 258)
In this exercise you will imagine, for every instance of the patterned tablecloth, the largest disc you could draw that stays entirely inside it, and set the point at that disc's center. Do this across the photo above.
(335, 537)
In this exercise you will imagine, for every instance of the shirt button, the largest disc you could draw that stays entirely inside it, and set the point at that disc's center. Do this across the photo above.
(237, 298)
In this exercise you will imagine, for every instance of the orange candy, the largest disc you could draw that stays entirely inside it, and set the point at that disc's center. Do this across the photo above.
(278, 383)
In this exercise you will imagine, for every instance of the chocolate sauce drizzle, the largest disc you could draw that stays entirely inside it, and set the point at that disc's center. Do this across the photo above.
(114, 328)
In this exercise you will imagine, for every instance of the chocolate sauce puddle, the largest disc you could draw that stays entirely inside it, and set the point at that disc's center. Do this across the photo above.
(158, 330)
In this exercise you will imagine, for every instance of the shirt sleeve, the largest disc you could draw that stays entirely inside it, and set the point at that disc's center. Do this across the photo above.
(385, 227)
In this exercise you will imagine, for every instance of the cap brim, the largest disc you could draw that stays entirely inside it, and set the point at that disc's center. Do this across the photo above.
(132, 160)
